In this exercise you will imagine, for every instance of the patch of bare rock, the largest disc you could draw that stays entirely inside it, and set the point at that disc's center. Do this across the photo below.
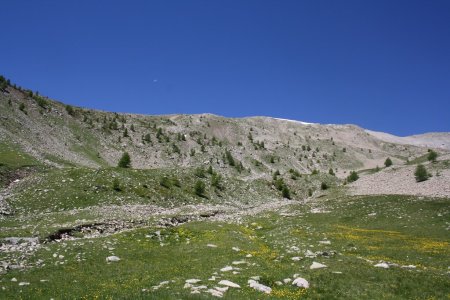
(401, 181)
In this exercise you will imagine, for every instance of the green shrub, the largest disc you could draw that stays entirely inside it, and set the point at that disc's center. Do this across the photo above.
(116, 185)
(285, 192)
(294, 172)
(229, 158)
(279, 184)
(388, 162)
(352, 177)
(70, 110)
(3, 85)
(40, 101)
(176, 182)
(324, 186)
(22, 107)
(432, 156)
(216, 181)
(199, 188)
(175, 148)
(421, 173)
(210, 170)
(165, 182)
(147, 138)
(199, 172)
(125, 161)
(331, 172)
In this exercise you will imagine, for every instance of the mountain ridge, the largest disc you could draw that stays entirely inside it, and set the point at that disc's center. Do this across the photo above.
(95, 138)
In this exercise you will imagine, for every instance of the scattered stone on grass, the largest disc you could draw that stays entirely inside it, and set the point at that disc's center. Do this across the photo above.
(259, 287)
(382, 265)
(229, 283)
(301, 282)
(316, 265)
(112, 259)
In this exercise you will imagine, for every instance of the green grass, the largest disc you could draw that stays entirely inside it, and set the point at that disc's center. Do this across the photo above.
(65, 189)
(405, 230)
(418, 160)
(12, 160)
(13, 157)
(88, 144)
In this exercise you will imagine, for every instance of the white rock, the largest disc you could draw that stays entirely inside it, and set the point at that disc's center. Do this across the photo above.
(212, 278)
(112, 258)
(215, 293)
(310, 254)
(259, 287)
(211, 246)
(382, 265)
(256, 278)
(296, 258)
(236, 249)
(372, 214)
(195, 292)
(200, 287)
(24, 283)
(409, 267)
(278, 283)
(316, 265)
(295, 248)
(325, 242)
(226, 269)
(187, 286)
(222, 289)
(301, 282)
(239, 262)
(14, 279)
(229, 283)
(287, 280)
(193, 281)
(249, 255)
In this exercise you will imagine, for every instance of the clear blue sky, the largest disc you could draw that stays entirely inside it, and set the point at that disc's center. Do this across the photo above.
(383, 65)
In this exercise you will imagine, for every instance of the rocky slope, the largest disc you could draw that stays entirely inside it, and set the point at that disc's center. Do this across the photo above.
(61, 135)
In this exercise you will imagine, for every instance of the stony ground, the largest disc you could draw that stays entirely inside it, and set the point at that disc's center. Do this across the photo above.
(333, 247)
(400, 180)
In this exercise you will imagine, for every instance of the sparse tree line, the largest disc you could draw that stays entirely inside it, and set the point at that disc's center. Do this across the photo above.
(199, 187)
(4, 83)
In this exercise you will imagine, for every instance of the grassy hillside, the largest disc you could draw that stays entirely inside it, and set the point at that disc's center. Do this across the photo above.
(62, 135)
